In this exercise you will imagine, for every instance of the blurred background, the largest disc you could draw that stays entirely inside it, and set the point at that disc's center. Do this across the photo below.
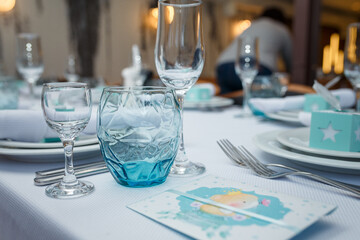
(99, 34)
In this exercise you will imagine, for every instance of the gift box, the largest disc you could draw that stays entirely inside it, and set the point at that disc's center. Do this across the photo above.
(198, 93)
(334, 130)
(315, 102)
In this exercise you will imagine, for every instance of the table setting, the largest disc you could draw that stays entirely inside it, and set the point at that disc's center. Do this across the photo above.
(88, 165)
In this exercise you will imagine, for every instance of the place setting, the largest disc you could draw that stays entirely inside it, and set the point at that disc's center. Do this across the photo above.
(83, 158)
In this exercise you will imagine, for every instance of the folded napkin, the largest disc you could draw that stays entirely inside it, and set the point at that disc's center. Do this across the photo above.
(270, 105)
(30, 125)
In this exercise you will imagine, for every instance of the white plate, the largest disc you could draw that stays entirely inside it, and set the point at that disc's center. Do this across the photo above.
(268, 143)
(82, 141)
(286, 116)
(49, 154)
(299, 138)
(214, 102)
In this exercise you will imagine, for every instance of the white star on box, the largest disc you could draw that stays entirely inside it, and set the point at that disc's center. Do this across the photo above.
(314, 107)
(329, 133)
(357, 133)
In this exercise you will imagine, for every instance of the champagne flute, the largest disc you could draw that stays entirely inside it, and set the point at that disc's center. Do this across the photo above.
(246, 67)
(67, 110)
(179, 59)
(29, 61)
(352, 59)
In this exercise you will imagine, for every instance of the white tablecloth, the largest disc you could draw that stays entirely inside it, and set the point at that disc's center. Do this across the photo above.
(27, 213)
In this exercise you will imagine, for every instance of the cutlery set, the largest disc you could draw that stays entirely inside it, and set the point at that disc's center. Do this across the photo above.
(243, 157)
(46, 177)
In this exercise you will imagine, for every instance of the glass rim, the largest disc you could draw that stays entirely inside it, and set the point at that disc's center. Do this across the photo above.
(66, 85)
(137, 88)
(192, 4)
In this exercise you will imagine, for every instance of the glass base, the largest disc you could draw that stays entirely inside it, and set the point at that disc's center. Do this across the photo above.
(186, 169)
(62, 191)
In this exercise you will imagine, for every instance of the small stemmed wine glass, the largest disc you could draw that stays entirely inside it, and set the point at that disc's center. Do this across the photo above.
(29, 60)
(179, 59)
(67, 110)
(246, 67)
(352, 59)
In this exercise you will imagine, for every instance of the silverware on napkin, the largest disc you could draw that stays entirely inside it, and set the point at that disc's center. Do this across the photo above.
(50, 176)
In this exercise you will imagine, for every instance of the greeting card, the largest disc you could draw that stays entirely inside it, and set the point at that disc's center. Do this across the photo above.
(216, 208)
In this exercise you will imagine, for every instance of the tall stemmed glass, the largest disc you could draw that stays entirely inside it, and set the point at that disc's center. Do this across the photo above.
(67, 110)
(352, 59)
(29, 59)
(179, 59)
(246, 67)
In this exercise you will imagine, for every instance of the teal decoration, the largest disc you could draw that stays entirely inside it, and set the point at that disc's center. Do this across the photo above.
(198, 93)
(315, 102)
(334, 130)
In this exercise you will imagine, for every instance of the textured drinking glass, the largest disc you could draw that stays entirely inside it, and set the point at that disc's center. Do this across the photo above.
(352, 59)
(139, 133)
(67, 110)
(179, 59)
(29, 60)
(246, 67)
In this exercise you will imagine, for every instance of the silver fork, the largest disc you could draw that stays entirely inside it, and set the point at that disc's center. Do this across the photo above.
(242, 156)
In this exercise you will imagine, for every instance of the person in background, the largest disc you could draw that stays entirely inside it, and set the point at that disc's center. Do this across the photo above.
(274, 42)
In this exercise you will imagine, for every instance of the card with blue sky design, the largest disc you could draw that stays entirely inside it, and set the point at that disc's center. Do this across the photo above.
(216, 208)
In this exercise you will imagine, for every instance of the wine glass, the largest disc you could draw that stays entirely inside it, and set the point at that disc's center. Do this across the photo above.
(352, 59)
(246, 67)
(29, 61)
(67, 110)
(179, 59)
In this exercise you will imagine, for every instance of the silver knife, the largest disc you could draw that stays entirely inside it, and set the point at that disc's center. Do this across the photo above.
(49, 179)
(60, 171)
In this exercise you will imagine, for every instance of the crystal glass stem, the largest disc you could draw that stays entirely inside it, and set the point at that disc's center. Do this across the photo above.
(69, 165)
(182, 167)
(181, 156)
(246, 96)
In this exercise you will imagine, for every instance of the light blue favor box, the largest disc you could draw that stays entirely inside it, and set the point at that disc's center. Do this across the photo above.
(198, 93)
(334, 130)
(314, 102)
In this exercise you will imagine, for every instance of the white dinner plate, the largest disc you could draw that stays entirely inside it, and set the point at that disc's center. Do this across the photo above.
(286, 116)
(299, 139)
(214, 102)
(268, 143)
(49, 154)
(81, 141)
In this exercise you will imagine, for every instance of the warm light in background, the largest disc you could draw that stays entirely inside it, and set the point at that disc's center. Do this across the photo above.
(152, 17)
(351, 54)
(333, 58)
(169, 14)
(239, 26)
(7, 5)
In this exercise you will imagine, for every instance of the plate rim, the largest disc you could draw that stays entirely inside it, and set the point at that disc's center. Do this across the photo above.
(89, 140)
(330, 153)
(53, 154)
(281, 117)
(219, 102)
(259, 140)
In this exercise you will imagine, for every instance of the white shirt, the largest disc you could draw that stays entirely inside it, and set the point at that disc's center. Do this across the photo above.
(274, 41)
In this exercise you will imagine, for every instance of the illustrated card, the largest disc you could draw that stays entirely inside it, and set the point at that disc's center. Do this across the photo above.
(216, 208)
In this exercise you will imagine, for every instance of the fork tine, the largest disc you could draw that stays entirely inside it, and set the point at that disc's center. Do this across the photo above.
(236, 152)
(264, 169)
(228, 152)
